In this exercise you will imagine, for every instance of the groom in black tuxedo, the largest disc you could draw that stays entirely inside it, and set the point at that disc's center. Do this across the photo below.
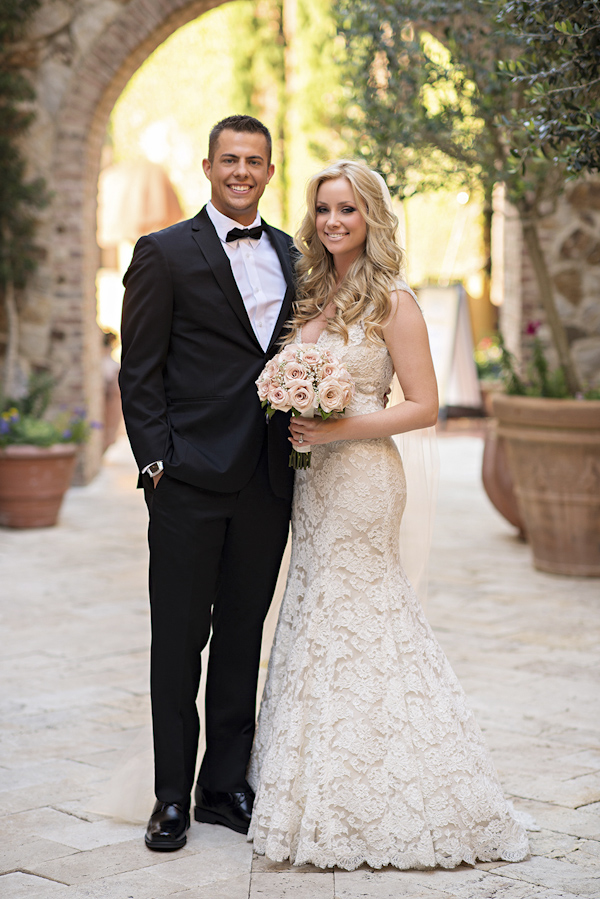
(205, 303)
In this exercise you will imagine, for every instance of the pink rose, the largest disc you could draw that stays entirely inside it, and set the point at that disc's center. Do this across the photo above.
(311, 355)
(331, 370)
(348, 391)
(331, 395)
(269, 372)
(294, 371)
(263, 388)
(288, 353)
(271, 369)
(301, 394)
(279, 398)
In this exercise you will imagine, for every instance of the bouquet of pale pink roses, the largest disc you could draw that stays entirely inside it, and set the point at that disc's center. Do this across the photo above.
(308, 381)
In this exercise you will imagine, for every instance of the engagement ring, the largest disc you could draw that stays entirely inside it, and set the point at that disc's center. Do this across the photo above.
(301, 438)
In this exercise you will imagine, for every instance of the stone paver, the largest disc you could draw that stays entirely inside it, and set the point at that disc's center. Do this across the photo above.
(74, 706)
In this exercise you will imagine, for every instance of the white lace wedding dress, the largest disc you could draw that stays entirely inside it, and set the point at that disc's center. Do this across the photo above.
(365, 749)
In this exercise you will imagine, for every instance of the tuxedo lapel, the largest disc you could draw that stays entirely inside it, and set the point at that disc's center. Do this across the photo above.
(209, 244)
(283, 252)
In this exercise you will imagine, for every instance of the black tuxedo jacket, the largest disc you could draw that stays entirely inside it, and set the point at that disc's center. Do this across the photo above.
(190, 359)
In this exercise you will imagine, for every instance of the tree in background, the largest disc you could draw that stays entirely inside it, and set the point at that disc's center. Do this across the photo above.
(19, 197)
(260, 48)
(558, 70)
(286, 73)
(433, 106)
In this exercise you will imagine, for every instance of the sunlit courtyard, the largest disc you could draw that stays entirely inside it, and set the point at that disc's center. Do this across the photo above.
(76, 707)
(483, 120)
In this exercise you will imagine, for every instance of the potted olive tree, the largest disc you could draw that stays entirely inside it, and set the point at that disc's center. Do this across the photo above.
(549, 421)
(476, 94)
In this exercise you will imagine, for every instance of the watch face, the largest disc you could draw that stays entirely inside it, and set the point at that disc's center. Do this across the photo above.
(154, 468)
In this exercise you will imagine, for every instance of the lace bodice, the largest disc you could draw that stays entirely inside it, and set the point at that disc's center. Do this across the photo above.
(370, 366)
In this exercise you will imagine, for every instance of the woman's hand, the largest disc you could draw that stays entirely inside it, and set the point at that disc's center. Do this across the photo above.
(312, 431)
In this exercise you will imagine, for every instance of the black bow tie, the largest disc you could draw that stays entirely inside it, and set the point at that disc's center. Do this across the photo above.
(238, 233)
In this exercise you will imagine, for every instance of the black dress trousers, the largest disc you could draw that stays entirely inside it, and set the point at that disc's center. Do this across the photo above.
(214, 559)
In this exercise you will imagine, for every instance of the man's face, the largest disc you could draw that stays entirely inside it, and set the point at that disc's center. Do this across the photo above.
(238, 174)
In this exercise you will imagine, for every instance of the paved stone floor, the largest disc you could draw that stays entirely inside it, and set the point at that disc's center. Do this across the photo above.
(74, 701)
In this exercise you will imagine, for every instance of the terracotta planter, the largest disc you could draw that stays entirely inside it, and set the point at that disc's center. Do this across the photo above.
(33, 482)
(554, 456)
(497, 478)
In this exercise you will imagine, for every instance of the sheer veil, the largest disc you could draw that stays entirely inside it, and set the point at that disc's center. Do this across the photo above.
(420, 458)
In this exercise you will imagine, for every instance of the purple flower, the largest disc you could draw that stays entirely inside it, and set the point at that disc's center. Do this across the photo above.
(4, 426)
(532, 328)
(66, 435)
(96, 425)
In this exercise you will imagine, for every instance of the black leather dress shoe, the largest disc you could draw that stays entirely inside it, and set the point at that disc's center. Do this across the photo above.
(167, 826)
(232, 810)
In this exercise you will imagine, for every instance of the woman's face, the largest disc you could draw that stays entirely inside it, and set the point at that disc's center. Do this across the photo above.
(341, 228)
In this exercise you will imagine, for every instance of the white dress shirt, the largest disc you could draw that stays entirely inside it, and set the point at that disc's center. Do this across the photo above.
(257, 272)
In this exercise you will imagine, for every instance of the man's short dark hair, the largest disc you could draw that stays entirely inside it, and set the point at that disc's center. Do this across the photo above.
(241, 124)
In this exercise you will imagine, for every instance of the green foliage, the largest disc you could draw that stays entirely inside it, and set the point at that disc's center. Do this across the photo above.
(259, 54)
(318, 89)
(539, 380)
(37, 399)
(488, 358)
(558, 71)
(18, 198)
(18, 430)
(22, 421)
(14, 16)
(432, 107)
(513, 382)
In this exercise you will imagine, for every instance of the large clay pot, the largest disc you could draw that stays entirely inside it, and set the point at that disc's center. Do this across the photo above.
(498, 480)
(33, 482)
(554, 455)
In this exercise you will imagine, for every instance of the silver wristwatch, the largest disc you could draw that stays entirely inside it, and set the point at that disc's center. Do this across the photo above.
(153, 469)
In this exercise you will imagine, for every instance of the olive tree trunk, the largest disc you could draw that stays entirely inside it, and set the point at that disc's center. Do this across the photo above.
(546, 292)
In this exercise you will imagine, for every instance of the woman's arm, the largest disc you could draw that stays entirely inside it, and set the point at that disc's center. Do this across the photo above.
(406, 338)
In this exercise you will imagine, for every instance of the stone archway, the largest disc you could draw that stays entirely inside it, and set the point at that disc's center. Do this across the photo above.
(84, 56)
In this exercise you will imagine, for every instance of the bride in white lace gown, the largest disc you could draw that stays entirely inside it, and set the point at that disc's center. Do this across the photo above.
(366, 750)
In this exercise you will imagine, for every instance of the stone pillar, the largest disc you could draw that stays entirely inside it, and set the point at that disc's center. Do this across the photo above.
(507, 256)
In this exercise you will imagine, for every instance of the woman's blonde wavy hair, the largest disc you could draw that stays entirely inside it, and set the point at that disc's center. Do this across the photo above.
(364, 293)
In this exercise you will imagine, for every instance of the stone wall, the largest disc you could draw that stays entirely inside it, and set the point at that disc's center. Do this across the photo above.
(570, 238)
(572, 242)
